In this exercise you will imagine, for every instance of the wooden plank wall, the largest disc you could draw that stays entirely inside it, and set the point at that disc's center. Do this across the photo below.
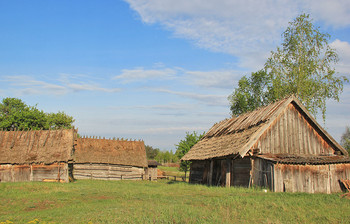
(108, 172)
(240, 173)
(310, 178)
(262, 173)
(198, 171)
(34, 172)
(151, 173)
(292, 134)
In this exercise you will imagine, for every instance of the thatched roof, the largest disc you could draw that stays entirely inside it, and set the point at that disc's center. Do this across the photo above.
(25, 147)
(107, 151)
(237, 135)
(153, 163)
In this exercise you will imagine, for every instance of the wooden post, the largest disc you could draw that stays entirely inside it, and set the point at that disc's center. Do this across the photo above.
(228, 172)
(211, 172)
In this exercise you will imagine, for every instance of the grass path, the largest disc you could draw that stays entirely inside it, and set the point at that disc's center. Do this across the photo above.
(162, 202)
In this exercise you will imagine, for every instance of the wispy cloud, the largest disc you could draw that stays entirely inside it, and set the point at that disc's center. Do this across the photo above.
(248, 29)
(28, 85)
(221, 79)
(141, 74)
(212, 100)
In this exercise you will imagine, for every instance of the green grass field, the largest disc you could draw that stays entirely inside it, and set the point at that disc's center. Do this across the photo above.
(162, 202)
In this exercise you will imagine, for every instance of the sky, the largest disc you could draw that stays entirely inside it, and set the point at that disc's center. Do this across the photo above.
(152, 69)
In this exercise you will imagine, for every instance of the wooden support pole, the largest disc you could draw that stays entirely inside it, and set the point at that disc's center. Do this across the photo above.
(210, 182)
(228, 173)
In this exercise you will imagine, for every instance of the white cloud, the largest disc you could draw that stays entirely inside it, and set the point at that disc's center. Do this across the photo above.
(216, 79)
(221, 79)
(141, 74)
(211, 100)
(343, 49)
(249, 29)
(28, 85)
(333, 13)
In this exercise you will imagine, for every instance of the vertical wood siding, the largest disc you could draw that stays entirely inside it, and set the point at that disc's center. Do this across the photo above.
(108, 172)
(310, 178)
(263, 174)
(34, 172)
(291, 133)
(198, 171)
(241, 172)
(151, 173)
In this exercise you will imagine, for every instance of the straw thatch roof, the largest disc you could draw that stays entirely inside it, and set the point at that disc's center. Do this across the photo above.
(107, 151)
(237, 135)
(26, 147)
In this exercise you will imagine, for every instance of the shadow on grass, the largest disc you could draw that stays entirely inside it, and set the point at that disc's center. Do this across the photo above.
(174, 182)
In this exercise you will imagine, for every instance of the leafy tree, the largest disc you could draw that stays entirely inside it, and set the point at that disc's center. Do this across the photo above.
(345, 139)
(184, 146)
(302, 66)
(251, 93)
(15, 114)
(151, 152)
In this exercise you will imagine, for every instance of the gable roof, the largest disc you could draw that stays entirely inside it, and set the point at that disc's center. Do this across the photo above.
(42, 146)
(107, 151)
(237, 135)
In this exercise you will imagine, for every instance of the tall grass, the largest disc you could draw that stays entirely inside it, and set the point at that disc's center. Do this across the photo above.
(163, 202)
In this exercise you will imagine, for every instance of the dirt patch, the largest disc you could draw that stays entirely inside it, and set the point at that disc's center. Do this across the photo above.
(40, 205)
(101, 197)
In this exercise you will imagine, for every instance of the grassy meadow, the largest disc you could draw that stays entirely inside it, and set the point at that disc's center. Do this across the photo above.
(164, 201)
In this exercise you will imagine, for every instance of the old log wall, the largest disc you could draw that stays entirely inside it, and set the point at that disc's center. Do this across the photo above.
(108, 172)
(34, 172)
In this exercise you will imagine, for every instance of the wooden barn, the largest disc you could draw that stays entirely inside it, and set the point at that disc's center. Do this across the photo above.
(107, 159)
(280, 147)
(36, 155)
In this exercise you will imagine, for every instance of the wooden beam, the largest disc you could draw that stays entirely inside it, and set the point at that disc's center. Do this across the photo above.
(228, 173)
(210, 181)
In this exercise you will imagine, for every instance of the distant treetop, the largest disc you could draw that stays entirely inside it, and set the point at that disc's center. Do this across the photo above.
(16, 115)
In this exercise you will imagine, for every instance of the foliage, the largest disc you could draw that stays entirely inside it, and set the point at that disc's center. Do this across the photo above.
(184, 146)
(96, 201)
(15, 114)
(302, 66)
(151, 152)
(345, 139)
(160, 156)
(252, 92)
(166, 157)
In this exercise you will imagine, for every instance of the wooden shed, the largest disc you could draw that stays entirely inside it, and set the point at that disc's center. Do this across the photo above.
(36, 155)
(152, 170)
(279, 146)
(107, 159)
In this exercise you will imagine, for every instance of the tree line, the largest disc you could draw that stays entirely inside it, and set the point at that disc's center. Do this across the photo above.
(16, 115)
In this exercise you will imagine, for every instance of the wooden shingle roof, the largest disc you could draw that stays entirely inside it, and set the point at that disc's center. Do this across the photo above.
(236, 136)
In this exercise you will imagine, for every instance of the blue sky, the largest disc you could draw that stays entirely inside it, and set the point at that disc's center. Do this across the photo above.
(152, 69)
